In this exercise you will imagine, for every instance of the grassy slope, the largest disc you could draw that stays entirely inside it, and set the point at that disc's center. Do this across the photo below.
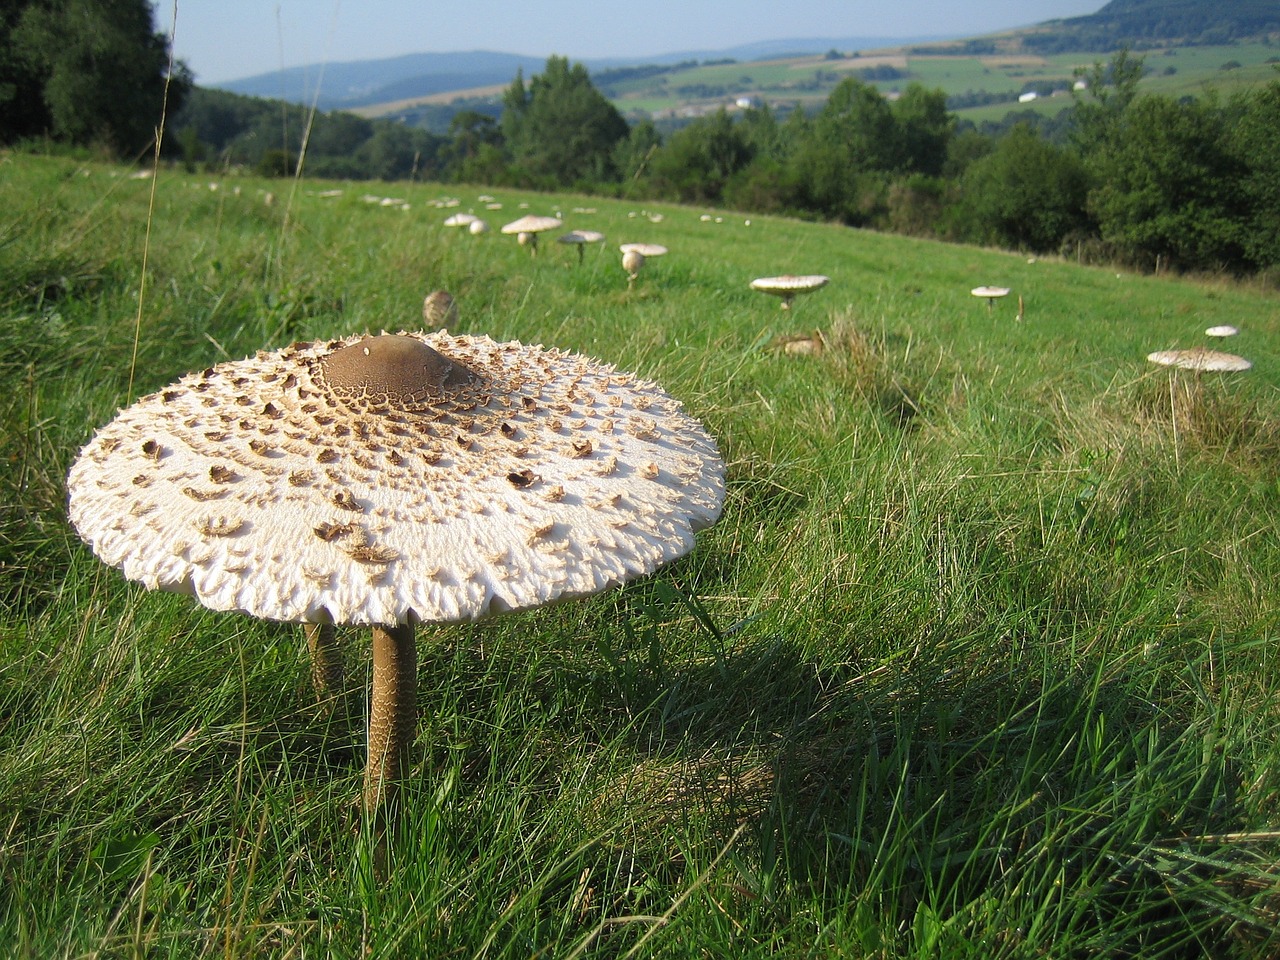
(981, 659)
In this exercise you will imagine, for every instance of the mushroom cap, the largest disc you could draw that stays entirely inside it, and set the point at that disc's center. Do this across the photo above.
(1198, 358)
(439, 309)
(582, 236)
(789, 284)
(644, 249)
(379, 480)
(1225, 330)
(990, 292)
(532, 224)
(477, 227)
(632, 261)
(461, 220)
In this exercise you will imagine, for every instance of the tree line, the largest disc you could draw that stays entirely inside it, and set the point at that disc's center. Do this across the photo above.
(1120, 176)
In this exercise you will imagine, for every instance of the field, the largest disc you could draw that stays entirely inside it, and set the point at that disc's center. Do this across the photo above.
(808, 80)
(983, 658)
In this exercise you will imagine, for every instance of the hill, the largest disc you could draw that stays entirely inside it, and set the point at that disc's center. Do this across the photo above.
(361, 83)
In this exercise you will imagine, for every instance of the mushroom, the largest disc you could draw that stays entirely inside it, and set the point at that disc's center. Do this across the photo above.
(580, 239)
(1198, 358)
(477, 227)
(528, 227)
(991, 294)
(788, 286)
(1225, 330)
(632, 261)
(634, 256)
(439, 309)
(392, 480)
(461, 220)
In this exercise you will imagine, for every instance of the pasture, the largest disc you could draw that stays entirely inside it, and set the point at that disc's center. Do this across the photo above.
(982, 659)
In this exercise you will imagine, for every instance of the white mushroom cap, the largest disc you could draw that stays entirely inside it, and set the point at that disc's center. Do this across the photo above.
(990, 293)
(383, 479)
(645, 249)
(789, 284)
(1198, 358)
(1225, 330)
(461, 220)
(582, 236)
(477, 227)
(532, 224)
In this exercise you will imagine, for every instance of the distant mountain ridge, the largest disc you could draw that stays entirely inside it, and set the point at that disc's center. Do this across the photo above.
(1141, 23)
(346, 85)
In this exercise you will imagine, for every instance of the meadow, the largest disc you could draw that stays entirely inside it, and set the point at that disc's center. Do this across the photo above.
(982, 659)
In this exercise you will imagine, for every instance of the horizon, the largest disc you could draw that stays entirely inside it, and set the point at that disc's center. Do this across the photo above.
(240, 39)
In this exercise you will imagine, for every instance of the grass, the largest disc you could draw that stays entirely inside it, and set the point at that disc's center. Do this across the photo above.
(980, 661)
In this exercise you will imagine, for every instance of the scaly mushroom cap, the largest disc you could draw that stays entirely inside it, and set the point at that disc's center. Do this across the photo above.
(1225, 330)
(990, 293)
(1198, 358)
(439, 309)
(632, 261)
(461, 220)
(788, 284)
(381, 479)
(532, 224)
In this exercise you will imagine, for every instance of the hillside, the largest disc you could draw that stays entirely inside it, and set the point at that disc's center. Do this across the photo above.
(1147, 23)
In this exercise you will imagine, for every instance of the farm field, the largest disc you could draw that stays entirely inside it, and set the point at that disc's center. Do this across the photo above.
(808, 80)
(982, 659)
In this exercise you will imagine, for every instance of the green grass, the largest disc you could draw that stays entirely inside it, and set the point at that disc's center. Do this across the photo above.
(982, 659)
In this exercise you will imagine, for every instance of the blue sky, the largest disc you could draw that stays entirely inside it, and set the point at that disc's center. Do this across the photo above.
(228, 39)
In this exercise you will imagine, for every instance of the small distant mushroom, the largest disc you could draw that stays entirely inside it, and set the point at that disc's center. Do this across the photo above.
(528, 227)
(634, 256)
(477, 227)
(1199, 358)
(391, 480)
(439, 309)
(580, 239)
(1224, 330)
(632, 262)
(461, 220)
(789, 286)
(990, 294)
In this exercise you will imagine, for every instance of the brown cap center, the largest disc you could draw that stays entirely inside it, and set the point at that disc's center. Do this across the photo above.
(400, 371)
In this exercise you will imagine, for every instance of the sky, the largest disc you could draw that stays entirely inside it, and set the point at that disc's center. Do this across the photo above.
(223, 40)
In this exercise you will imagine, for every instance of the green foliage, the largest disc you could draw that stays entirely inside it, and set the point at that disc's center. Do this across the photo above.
(561, 130)
(87, 72)
(1025, 195)
(1168, 185)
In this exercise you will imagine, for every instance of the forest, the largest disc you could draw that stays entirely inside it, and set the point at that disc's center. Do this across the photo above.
(1121, 176)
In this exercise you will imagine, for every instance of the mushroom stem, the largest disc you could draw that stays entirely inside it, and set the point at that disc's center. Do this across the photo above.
(328, 677)
(393, 715)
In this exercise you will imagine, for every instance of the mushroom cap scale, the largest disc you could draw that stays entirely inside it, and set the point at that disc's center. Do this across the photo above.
(383, 479)
(532, 224)
(1198, 358)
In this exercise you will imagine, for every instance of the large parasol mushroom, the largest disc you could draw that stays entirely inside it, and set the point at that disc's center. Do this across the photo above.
(392, 480)
(788, 286)
(528, 227)
(1199, 358)
(580, 239)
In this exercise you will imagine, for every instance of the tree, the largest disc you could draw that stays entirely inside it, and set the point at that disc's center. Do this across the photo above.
(696, 162)
(1168, 185)
(561, 130)
(924, 131)
(1027, 194)
(1253, 144)
(99, 67)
